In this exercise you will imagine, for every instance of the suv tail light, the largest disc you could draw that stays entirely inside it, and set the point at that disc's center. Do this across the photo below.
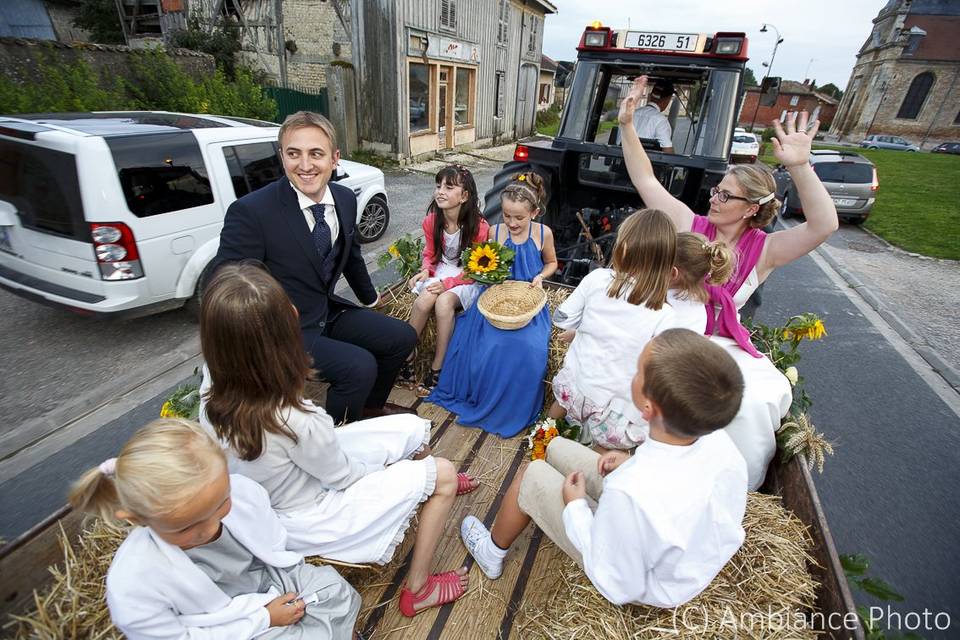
(116, 251)
(875, 184)
(521, 153)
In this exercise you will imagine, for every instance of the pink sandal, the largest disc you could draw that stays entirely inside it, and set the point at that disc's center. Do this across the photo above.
(449, 587)
(465, 484)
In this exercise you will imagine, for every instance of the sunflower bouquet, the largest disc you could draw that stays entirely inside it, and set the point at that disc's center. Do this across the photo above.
(487, 262)
(406, 252)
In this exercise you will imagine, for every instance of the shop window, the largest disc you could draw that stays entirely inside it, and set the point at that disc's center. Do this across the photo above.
(419, 87)
(463, 112)
(501, 79)
(916, 95)
(448, 14)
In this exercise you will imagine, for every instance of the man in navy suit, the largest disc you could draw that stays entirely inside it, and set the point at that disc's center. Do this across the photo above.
(302, 227)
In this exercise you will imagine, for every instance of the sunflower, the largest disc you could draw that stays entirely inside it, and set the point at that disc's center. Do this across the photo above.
(167, 410)
(393, 251)
(811, 331)
(483, 259)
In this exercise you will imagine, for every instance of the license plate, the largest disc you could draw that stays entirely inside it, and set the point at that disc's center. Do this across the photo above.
(5, 243)
(661, 41)
(844, 202)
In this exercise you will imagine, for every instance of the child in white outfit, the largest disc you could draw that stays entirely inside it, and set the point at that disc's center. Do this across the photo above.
(656, 527)
(208, 558)
(699, 262)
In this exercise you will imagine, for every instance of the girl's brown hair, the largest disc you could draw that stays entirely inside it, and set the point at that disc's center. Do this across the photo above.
(526, 187)
(253, 348)
(469, 218)
(757, 182)
(700, 261)
(158, 470)
(643, 258)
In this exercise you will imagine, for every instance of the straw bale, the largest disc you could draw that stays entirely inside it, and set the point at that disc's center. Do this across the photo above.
(765, 591)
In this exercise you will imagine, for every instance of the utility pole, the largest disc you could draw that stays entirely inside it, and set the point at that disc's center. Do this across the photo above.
(763, 29)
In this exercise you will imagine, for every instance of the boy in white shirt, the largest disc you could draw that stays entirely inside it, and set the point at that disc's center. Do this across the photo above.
(656, 527)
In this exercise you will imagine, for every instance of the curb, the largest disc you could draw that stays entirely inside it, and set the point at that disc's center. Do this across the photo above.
(916, 342)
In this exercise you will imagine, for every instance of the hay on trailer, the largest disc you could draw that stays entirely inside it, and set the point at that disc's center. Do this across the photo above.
(765, 591)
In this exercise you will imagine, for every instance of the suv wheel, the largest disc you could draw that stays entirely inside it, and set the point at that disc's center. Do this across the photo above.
(374, 220)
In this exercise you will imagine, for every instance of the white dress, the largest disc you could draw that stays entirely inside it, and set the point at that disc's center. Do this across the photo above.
(593, 385)
(449, 267)
(767, 396)
(687, 312)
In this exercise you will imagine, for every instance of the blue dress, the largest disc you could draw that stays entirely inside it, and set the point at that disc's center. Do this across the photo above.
(492, 378)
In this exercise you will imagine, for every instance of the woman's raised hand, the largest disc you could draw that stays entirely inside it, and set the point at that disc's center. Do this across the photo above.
(629, 104)
(792, 147)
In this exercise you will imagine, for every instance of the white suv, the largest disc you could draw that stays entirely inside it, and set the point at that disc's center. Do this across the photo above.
(120, 213)
(745, 146)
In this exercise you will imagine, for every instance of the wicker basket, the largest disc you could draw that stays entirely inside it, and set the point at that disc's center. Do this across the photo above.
(512, 304)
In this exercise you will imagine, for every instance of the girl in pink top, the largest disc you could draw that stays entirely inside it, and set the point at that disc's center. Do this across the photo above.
(453, 223)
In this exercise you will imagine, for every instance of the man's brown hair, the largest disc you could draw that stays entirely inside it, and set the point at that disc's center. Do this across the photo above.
(695, 383)
(302, 119)
(251, 341)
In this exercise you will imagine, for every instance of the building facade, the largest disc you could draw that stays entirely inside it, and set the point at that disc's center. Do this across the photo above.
(906, 81)
(794, 96)
(440, 74)
(547, 92)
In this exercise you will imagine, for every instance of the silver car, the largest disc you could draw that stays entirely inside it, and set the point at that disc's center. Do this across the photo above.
(888, 142)
(850, 179)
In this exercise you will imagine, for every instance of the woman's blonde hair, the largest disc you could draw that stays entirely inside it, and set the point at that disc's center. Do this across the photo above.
(526, 187)
(251, 342)
(757, 182)
(643, 258)
(700, 261)
(158, 470)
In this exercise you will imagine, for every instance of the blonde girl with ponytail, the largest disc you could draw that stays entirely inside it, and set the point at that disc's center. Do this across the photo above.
(700, 263)
(206, 556)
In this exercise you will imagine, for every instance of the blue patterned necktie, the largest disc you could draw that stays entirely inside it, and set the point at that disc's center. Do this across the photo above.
(321, 239)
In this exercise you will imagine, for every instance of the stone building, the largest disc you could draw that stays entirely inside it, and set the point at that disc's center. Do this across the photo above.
(906, 81)
(794, 96)
(439, 74)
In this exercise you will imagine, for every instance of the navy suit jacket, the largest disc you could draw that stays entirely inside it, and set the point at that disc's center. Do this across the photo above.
(268, 225)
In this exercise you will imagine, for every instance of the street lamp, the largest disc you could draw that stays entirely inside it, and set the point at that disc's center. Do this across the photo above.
(769, 67)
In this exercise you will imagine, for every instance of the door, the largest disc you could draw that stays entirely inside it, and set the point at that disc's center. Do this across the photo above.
(445, 109)
(526, 100)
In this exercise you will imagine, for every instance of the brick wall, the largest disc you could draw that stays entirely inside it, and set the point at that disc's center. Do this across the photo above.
(765, 115)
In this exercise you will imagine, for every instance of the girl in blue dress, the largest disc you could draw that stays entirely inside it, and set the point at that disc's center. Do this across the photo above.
(492, 378)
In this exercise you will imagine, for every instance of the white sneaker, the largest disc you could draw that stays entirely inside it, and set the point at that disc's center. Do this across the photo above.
(476, 538)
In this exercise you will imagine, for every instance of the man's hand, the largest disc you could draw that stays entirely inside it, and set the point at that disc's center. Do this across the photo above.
(610, 461)
(285, 610)
(574, 487)
(629, 104)
(436, 288)
(417, 277)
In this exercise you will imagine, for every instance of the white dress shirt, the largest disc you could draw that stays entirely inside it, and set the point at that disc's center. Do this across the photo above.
(329, 213)
(651, 124)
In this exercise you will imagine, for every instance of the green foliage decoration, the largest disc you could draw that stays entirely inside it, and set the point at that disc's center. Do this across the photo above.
(407, 252)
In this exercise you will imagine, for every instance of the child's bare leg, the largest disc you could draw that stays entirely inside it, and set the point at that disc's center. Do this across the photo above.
(422, 307)
(446, 309)
(556, 411)
(433, 517)
(510, 521)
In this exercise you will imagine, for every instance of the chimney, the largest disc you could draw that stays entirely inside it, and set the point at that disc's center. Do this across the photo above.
(806, 81)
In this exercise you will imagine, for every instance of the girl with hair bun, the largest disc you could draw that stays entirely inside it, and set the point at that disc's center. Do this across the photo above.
(207, 556)
(491, 378)
(700, 263)
(740, 206)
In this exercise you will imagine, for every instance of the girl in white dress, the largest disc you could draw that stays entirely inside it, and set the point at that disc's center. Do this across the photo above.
(208, 556)
(615, 312)
(453, 224)
(741, 205)
(334, 500)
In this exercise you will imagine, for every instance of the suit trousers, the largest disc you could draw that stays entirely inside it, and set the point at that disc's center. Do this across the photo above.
(359, 352)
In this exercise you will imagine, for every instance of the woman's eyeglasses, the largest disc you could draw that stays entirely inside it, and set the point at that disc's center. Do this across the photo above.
(722, 196)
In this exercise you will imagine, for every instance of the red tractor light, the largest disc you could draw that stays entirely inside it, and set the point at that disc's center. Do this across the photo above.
(521, 153)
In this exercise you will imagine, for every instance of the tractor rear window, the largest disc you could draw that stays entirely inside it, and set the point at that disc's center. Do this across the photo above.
(161, 173)
(846, 172)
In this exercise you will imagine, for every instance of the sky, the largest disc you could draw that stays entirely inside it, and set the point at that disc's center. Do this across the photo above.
(821, 38)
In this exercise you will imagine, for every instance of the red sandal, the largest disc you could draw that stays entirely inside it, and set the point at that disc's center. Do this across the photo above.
(449, 588)
(465, 484)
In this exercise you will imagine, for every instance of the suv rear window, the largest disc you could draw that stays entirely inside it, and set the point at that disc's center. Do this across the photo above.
(161, 173)
(252, 166)
(846, 172)
(744, 138)
(42, 184)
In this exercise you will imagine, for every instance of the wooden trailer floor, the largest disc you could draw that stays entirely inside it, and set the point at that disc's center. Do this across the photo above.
(489, 608)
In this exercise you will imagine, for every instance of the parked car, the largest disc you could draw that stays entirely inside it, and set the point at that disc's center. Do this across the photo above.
(850, 179)
(947, 147)
(120, 213)
(745, 146)
(888, 142)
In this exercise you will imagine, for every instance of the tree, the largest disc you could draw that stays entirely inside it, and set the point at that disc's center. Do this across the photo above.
(101, 19)
(749, 80)
(831, 90)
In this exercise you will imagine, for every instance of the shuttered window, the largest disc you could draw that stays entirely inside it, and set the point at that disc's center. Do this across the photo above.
(501, 78)
(916, 95)
(448, 14)
(503, 28)
(532, 41)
